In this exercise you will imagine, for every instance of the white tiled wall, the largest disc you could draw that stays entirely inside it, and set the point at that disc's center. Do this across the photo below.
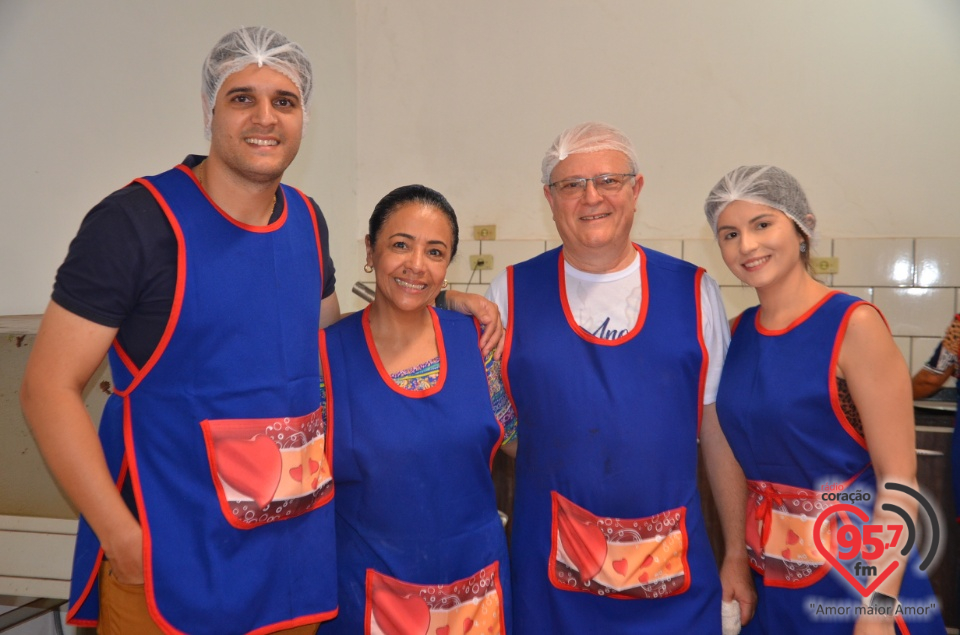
(913, 311)
(884, 262)
(938, 262)
(914, 281)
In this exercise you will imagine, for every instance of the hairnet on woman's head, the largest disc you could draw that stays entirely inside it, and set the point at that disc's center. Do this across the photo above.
(587, 137)
(764, 184)
(254, 45)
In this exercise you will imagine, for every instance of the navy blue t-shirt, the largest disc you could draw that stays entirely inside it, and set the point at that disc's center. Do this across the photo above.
(121, 268)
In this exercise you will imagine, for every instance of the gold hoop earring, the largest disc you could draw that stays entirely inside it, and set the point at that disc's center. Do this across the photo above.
(368, 268)
(444, 285)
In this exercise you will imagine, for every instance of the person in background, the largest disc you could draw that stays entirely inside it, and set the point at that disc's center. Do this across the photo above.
(205, 501)
(942, 365)
(612, 358)
(418, 415)
(814, 398)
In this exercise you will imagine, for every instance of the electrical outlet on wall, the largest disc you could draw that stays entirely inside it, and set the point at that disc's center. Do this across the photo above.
(484, 232)
(824, 264)
(483, 262)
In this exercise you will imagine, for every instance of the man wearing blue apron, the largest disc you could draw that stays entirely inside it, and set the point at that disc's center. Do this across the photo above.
(206, 502)
(612, 360)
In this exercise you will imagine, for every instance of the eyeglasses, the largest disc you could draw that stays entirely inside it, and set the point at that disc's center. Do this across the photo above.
(604, 183)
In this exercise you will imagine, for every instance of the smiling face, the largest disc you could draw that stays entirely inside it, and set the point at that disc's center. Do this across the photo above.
(594, 222)
(257, 124)
(759, 244)
(410, 256)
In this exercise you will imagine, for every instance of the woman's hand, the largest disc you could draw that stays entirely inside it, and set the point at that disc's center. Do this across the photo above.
(486, 313)
(736, 582)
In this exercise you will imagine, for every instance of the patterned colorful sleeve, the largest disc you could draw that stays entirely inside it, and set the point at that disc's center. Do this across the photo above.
(498, 398)
(948, 351)
(323, 400)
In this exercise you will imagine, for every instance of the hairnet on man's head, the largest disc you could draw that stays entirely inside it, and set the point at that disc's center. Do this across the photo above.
(591, 136)
(253, 45)
(763, 184)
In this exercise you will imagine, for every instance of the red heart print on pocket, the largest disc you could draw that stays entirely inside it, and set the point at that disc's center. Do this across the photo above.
(252, 467)
(400, 615)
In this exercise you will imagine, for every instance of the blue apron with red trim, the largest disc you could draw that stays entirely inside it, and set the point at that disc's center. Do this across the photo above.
(220, 431)
(421, 548)
(779, 409)
(608, 536)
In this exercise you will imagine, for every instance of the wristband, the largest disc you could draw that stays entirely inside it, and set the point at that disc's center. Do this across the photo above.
(884, 604)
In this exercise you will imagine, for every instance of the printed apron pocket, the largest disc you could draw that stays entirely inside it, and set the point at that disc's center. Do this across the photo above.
(779, 534)
(471, 605)
(266, 470)
(623, 558)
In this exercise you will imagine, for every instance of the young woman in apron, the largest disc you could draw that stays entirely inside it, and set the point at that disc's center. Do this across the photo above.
(815, 403)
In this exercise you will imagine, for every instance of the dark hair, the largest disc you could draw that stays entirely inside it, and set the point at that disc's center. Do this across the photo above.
(412, 194)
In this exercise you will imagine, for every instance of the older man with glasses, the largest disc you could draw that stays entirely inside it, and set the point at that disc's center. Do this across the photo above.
(612, 359)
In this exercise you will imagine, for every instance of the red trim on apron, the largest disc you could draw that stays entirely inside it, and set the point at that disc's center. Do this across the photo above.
(508, 341)
(800, 320)
(316, 231)
(178, 292)
(589, 337)
(325, 376)
(834, 360)
(735, 324)
(88, 587)
(385, 376)
(705, 363)
(256, 229)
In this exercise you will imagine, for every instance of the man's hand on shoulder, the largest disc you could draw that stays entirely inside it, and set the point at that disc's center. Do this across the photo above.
(486, 313)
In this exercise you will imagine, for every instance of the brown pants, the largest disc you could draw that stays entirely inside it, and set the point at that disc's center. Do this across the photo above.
(123, 609)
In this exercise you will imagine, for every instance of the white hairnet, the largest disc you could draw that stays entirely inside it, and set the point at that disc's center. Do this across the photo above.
(764, 184)
(253, 45)
(587, 137)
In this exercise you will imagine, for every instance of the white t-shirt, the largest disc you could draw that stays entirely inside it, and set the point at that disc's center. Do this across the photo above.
(607, 305)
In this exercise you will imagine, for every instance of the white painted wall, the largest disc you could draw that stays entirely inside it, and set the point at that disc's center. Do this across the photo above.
(859, 99)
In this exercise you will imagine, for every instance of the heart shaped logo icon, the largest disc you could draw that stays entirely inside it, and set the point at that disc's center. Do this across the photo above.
(399, 615)
(252, 467)
(296, 473)
(833, 560)
(620, 566)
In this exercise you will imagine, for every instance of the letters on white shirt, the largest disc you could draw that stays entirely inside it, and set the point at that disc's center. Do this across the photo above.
(607, 306)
